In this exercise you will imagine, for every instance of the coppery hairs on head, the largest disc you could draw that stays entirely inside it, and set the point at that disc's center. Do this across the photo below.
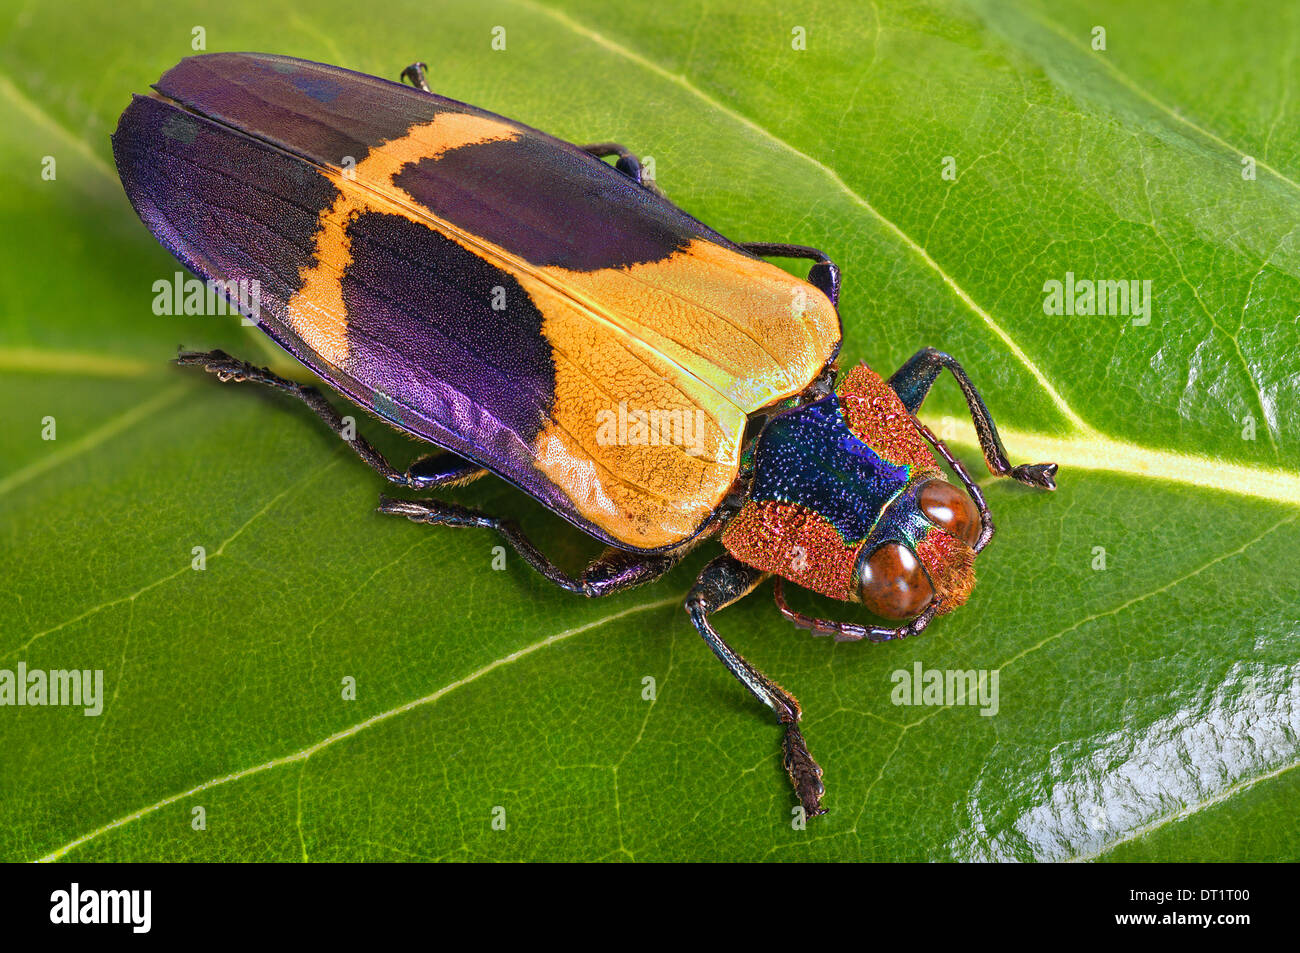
(855, 632)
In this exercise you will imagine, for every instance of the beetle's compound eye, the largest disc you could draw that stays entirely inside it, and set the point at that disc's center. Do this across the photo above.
(951, 510)
(892, 583)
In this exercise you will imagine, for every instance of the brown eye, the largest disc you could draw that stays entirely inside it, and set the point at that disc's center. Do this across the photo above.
(951, 510)
(893, 584)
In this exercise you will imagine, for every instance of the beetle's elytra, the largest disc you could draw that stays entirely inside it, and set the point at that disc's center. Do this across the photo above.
(544, 316)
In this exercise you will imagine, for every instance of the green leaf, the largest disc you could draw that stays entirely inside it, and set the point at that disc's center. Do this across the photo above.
(1148, 710)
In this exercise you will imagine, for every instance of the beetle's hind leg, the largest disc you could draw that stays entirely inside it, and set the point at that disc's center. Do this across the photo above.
(442, 469)
(629, 163)
(912, 382)
(824, 275)
(724, 581)
(615, 570)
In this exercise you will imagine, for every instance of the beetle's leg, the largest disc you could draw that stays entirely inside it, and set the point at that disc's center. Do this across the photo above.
(972, 488)
(443, 469)
(824, 275)
(613, 571)
(855, 631)
(617, 570)
(628, 163)
(913, 381)
(415, 75)
(724, 581)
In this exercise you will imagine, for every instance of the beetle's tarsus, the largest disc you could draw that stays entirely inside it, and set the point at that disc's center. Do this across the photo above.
(824, 275)
(849, 631)
(629, 163)
(415, 75)
(439, 513)
(805, 773)
(1042, 475)
(225, 367)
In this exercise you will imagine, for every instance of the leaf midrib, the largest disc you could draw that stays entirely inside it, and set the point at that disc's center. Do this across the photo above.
(1091, 450)
(1058, 401)
(1087, 448)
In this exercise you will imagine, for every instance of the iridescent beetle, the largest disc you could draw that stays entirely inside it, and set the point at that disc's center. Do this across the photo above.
(544, 316)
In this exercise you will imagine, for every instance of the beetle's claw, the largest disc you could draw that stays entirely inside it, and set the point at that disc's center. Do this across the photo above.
(225, 367)
(805, 773)
(1041, 475)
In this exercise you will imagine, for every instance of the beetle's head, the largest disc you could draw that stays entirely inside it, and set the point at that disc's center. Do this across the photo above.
(922, 553)
(918, 560)
(864, 516)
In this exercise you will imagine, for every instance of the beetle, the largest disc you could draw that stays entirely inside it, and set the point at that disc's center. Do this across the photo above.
(541, 314)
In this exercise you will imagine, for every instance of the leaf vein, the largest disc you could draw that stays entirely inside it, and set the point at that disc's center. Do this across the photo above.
(346, 733)
(964, 296)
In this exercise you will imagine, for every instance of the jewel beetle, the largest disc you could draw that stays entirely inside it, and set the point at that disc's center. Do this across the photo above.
(540, 314)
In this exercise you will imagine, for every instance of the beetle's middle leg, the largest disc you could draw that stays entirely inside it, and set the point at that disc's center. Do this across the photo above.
(724, 581)
(614, 570)
(824, 275)
(629, 163)
(441, 469)
(912, 382)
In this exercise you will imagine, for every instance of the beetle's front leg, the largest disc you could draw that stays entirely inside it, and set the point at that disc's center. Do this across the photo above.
(724, 581)
(912, 382)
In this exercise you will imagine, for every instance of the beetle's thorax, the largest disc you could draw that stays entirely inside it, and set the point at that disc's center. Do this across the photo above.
(836, 477)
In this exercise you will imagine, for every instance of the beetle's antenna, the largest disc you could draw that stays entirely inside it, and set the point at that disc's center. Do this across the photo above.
(849, 631)
(972, 489)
